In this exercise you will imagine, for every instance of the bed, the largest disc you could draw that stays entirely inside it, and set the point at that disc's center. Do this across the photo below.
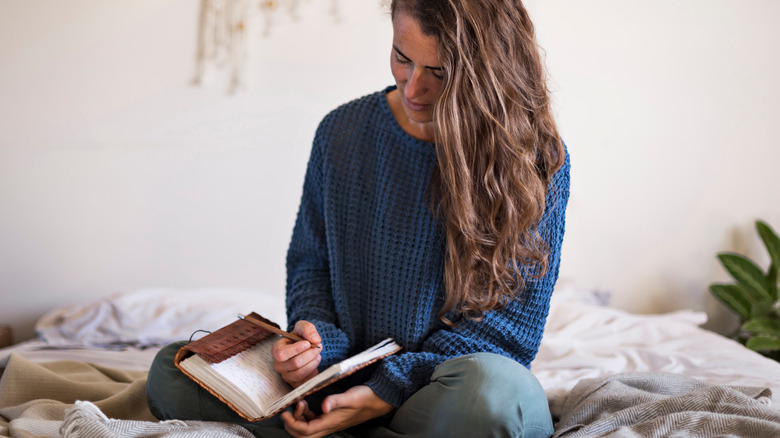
(606, 372)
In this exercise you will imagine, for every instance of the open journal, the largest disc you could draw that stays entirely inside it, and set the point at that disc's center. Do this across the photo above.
(235, 364)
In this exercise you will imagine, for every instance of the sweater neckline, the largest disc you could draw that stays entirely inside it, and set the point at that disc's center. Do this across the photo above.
(396, 127)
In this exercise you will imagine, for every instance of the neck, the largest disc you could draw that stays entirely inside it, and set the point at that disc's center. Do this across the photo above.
(420, 131)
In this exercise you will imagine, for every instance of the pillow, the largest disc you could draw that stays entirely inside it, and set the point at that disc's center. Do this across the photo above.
(154, 316)
(567, 291)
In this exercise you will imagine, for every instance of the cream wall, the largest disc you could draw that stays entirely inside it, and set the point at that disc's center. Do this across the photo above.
(670, 109)
(116, 173)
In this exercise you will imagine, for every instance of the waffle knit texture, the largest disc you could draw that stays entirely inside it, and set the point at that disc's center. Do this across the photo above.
(366, 259)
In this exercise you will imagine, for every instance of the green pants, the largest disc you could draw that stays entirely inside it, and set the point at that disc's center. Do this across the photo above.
(479, 395)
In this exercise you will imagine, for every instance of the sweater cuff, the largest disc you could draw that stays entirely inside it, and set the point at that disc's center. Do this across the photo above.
(335, 346)
(387, 389)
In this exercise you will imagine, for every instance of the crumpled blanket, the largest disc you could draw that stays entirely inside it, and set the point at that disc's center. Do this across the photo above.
(151, 317)
(650, 405)
(79, 399)
(85, 420)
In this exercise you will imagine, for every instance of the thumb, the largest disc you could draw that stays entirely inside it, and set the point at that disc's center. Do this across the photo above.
(335, 401)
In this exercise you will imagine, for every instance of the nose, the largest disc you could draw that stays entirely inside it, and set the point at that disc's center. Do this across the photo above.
(415, 83)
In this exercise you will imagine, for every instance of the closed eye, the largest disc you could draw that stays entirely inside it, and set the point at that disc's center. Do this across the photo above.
(401, 60)
(437, 72)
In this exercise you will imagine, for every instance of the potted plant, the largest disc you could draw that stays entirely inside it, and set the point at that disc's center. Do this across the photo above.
(754, 296)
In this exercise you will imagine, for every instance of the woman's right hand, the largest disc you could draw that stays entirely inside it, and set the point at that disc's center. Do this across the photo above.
(297, 362)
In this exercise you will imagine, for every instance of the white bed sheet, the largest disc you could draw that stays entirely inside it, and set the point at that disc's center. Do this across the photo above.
(583, 341)
(583, 337)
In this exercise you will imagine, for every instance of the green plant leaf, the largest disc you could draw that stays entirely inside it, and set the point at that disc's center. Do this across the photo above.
(747, 274)
(734, 298)
(771, 241)
(763, 326)
(771, 281)
(763, 343)
(762, 309)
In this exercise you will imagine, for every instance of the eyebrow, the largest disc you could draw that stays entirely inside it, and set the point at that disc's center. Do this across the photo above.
(409, 59)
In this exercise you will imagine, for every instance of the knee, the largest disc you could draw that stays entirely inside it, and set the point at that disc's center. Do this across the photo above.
(495, 392)
(160, 381)
(162, 366)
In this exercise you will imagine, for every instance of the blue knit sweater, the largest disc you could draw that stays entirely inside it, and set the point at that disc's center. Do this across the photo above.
(366, 258)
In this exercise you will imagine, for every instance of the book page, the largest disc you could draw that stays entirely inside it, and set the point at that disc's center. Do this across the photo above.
(252, 372)
(381, 349)
(246, 380)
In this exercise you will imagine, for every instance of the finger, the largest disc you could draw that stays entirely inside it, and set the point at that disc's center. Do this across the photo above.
(309, 415)
(308, 331)
(278, 345)
(283, 352)
(296, 380)
(291, 424)
(300, 375)
(311, 429)
(334, 401)
(296, 361)
(302, 412)
(298, 412)
(300, 365)
(297, 427)
(349, 399)
(287, 416)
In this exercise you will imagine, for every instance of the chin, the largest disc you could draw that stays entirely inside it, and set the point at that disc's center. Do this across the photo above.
(419, 117)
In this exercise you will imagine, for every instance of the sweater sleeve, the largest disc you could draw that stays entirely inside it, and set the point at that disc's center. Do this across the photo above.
(309, 294)
(515, 331)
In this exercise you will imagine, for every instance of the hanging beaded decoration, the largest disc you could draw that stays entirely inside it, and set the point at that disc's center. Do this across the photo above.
(224, 32)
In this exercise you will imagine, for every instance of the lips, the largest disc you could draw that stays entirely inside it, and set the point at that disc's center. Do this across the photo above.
(413, 106)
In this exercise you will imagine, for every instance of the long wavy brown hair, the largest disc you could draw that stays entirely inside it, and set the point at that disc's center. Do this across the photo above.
(497, 147)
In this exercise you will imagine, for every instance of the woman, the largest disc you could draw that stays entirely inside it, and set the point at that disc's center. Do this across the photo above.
(433, 213)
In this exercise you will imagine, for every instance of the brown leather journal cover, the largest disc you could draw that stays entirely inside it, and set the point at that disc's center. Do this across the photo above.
(228, 341)
(235, 338)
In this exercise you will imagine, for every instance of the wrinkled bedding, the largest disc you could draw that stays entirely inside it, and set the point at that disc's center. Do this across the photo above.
(656, 405)
(591, 342)
(78, 399)
(97, 354)
(35, 396)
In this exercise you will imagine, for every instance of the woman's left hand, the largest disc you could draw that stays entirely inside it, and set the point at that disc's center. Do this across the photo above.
(339, 412)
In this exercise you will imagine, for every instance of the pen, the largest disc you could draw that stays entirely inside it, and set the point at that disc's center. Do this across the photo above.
(271, 328)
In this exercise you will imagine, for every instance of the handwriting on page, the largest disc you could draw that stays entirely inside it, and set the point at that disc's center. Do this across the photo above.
(252, 371)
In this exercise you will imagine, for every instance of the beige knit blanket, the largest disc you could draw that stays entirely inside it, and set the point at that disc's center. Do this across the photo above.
(40, 400)
(659, 405)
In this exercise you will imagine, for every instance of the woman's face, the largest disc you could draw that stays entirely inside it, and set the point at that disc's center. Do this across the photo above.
(414, 62)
